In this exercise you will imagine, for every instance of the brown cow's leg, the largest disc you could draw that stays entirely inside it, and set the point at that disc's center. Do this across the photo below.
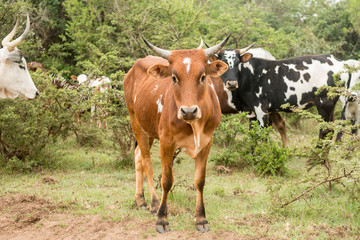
(143, 164)
(200, 175)
(147, 167)
(167, 179)
(279, 123)
(139, 192)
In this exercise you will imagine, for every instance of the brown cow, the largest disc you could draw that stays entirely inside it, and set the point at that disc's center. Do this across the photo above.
(33, 66)
(171, 99)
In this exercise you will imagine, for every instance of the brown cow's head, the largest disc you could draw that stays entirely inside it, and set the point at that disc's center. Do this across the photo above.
(189, 70)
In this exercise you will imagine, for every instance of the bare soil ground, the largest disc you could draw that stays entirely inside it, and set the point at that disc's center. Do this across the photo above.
(25, 217)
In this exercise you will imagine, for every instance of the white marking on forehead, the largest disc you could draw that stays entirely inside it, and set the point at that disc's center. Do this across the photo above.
(160, 106)
(135, 99)
(187, 62)
(230, 58)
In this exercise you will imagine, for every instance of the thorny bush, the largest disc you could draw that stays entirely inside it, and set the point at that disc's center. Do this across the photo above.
(27, 127)
(249, 147)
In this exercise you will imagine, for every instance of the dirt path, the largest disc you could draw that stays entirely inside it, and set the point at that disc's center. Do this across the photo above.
(25, 217)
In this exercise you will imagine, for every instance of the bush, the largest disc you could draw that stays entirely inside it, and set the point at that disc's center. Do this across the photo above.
(27, 127)
(249, 147)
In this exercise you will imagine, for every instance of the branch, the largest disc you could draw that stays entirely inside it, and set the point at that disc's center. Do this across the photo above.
(313, 187)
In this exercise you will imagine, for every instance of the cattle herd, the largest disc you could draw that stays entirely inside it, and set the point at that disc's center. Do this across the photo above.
(180, 96)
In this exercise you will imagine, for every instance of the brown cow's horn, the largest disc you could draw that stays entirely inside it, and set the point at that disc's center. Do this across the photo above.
(243, 50)
(207, 45)
(201, 44)
(17, 41)
(161, 52)
(11, 34)
(211, 51)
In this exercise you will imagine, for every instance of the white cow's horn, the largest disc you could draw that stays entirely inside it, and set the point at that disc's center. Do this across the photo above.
(11, 34)
(161, 52)
(17, 41)
(214, 49)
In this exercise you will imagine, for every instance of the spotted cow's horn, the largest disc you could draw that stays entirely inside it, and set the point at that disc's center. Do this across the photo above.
(16, 42)
(243, 50)
(214, 49)
(159, 51)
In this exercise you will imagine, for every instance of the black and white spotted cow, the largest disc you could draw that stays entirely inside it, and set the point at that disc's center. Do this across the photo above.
(225, 95)
(262, 86)
(350, 104)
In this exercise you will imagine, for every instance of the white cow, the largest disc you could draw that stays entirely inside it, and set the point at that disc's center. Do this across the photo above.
(351, 105)
(101, 85)
(15, 79)
(261, 53)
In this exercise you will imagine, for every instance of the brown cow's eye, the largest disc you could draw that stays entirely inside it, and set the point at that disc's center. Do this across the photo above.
(174, 79)
(203, 78)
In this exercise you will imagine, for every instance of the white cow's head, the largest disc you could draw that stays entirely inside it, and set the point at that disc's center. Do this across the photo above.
(15, 79)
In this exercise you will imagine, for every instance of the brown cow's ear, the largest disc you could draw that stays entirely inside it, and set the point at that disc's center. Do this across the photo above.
(216, 68)
(159, 71)
(246, 57)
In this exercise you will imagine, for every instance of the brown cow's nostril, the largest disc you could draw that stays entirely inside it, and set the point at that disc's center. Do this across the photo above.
(189, 113)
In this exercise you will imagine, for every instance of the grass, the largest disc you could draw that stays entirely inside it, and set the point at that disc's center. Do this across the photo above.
(87, 181)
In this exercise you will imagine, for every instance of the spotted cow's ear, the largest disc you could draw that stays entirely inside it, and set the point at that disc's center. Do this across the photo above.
(159, 71)
(216, 68)
(246, 57)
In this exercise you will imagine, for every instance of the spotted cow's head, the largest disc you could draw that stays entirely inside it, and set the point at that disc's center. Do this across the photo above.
(15, 79)
(233, 58)
(189, 71)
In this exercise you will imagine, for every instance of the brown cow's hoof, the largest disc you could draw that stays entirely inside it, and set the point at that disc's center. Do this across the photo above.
(162, 228)
(203, 227)
(141, 204)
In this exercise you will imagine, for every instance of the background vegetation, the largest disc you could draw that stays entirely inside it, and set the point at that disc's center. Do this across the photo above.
(102, 37)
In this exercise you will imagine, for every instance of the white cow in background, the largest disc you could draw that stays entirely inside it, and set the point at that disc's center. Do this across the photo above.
(101, 85)
(351, 105)
(261, 53)
(15, 79)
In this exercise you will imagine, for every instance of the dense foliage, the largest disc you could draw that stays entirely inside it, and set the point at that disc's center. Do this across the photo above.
(102, 37)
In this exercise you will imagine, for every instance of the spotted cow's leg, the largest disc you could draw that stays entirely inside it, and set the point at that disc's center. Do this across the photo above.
(279, 123)
(327, 113)
(167, 179)
(200, 175)
(339, 135)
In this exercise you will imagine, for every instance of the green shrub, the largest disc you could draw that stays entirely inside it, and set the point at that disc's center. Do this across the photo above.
(246, 147)
(27, 127)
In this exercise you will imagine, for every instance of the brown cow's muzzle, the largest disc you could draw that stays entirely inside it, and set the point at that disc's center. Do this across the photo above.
(232, 85)
(189, 113)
